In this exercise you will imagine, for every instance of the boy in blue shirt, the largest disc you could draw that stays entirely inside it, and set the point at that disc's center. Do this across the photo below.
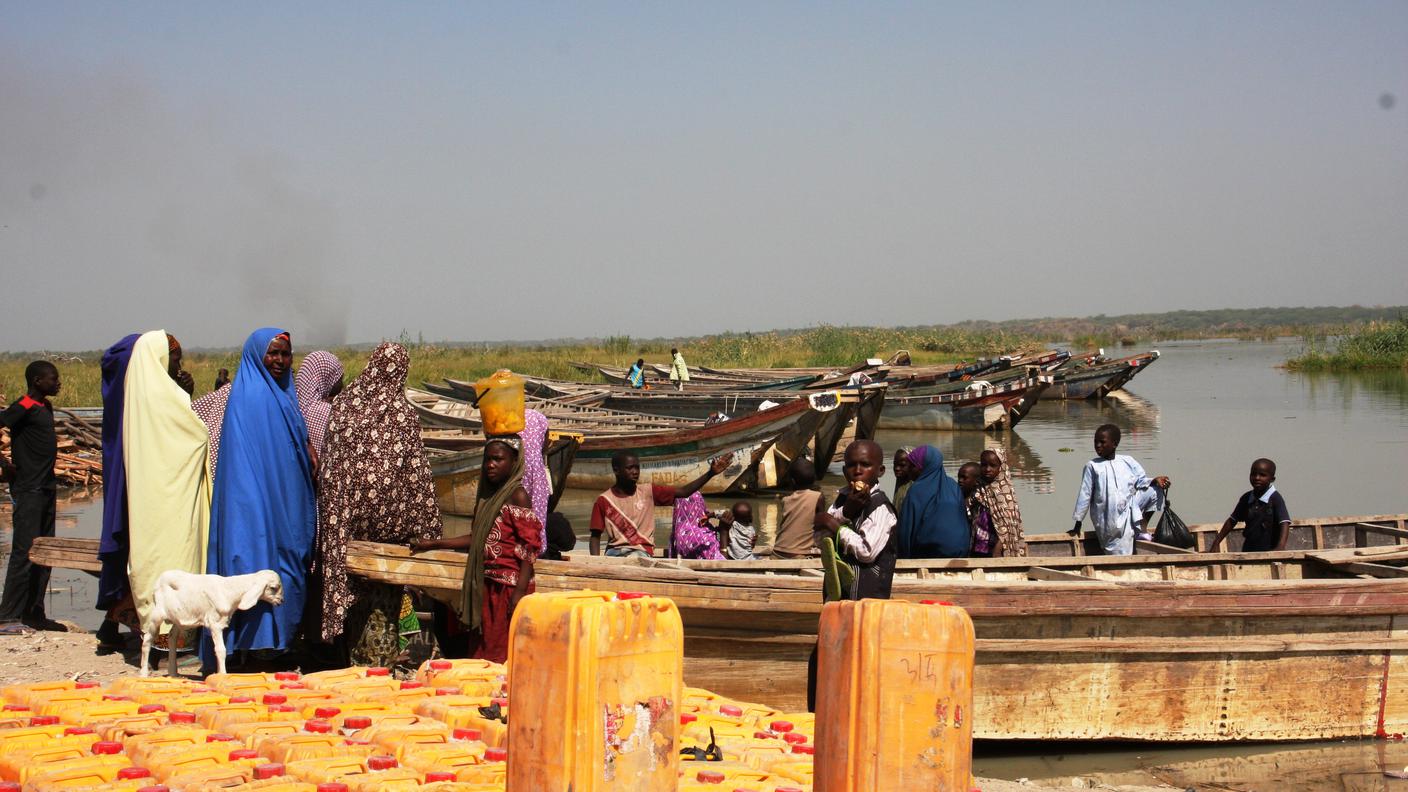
(1263, 510)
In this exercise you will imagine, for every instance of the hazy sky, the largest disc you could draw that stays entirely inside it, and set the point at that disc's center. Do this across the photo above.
(524, 170)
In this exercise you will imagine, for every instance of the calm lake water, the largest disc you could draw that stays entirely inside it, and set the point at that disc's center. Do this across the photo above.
(1200, 415)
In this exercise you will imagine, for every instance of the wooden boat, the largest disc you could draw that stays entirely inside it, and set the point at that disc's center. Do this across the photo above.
(1096, 380)
(1000, 406)
(456, 473)
(763, 445)
(1169, 647)
(575, 415)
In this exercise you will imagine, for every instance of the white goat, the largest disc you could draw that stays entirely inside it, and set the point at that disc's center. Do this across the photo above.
(209, 601)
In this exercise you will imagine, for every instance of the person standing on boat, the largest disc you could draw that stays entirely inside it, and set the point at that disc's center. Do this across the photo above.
(34, 448)
(636, 376)
(679, 372)
(626, 512)
(264, 512)
(1263, 510)
(1118, 495)
(799, 510)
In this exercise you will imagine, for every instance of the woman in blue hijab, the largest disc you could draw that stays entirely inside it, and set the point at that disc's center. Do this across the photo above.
(933, 523)
(263, 511)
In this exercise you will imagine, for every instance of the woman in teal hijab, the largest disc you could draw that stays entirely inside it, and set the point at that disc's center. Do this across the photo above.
(933, 523)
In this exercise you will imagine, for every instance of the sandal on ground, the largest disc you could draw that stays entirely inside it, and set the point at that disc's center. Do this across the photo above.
(15, 628)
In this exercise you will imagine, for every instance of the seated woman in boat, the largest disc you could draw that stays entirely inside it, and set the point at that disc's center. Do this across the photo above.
(502, 545)
(996, 495)
(984, 538)
(626, 512)
(932, 523)
(692, 536)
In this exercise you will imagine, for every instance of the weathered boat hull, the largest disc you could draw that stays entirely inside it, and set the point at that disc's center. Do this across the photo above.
(1098, 381)
(1170, 648)
(997, 407)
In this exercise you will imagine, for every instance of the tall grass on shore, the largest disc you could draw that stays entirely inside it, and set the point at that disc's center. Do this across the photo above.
(1380, 345)
(820, 346)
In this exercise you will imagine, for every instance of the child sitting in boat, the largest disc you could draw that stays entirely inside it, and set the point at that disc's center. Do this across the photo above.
(970, 479)
(625, 514)
(1119, 496)
(1263, 510)
(742, 535)
(799, 510)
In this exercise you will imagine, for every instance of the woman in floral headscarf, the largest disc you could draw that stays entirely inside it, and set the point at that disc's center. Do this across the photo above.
(374, 485)
(997, 496)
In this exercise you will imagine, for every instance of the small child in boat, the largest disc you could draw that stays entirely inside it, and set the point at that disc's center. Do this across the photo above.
(742, 534)
(1119, 496)
(970, 479)
(1268, 522)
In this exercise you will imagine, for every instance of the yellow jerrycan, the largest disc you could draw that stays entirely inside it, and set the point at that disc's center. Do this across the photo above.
(894, 697)
(611, 666)
(500, 397)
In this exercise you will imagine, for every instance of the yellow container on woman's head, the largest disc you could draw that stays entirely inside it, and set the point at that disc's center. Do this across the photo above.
(501, 403)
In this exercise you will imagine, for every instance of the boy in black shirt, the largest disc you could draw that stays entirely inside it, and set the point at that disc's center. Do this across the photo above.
(30, 474)
(1263, 510)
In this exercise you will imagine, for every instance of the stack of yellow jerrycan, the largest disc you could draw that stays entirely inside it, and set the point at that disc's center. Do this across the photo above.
(598, 703)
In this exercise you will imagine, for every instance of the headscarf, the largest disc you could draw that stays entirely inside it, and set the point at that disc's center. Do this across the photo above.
(933, 523)
(168, 472)
(264, 511)
(535, 472)
(374, 477)
(210, 408)
(315, 379)
(112, 546)
(1001, 502)
(689, 538)
(487, 507)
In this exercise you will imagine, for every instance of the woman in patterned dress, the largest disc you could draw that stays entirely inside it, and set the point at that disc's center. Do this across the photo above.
(505, 541)
(374, 485)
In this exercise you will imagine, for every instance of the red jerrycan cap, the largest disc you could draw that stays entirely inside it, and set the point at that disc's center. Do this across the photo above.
(764, 735)
(107, 747)
(781, 726)
(441, 665)
(271, 770)
(275, 698)
(218, 737)
(332, 786)
(155, 788)
(381, 762)
(116, 697)
(731, 710)
(412, 685)
(44, 720)
(317, 726)
(128, 773)
(935, 602)
(181, 717)
(287, 676)
(495, 754)
(439, 775)
(468, 734)
(242, 753)
(355, 722)
(84, 685)
(447, 691)
(804, 749)
(378, 671)
(327, 712)
(147, 709)
(282, 708)
(630, 595)
(78, 730)
(10, 786)
(241, 700)
(16, 708)
(688, 717)
(709, 777)
(795, 738)
(293, 686)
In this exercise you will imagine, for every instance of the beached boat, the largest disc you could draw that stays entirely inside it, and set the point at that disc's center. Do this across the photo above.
(1170, 647)
(456, 473)
(1095, 380)
(763, 444)
(977, 407)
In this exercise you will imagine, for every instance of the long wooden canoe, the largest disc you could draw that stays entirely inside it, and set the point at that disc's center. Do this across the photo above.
(1172, 647)
(1000, 406)
(1096, 380)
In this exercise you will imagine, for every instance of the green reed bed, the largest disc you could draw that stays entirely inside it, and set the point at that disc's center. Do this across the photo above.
(1380, 345)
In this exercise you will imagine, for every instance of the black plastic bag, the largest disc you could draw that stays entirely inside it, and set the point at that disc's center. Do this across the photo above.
(1172, 531)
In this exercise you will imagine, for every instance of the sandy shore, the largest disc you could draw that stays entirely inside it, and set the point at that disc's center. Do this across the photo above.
(73, 655)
